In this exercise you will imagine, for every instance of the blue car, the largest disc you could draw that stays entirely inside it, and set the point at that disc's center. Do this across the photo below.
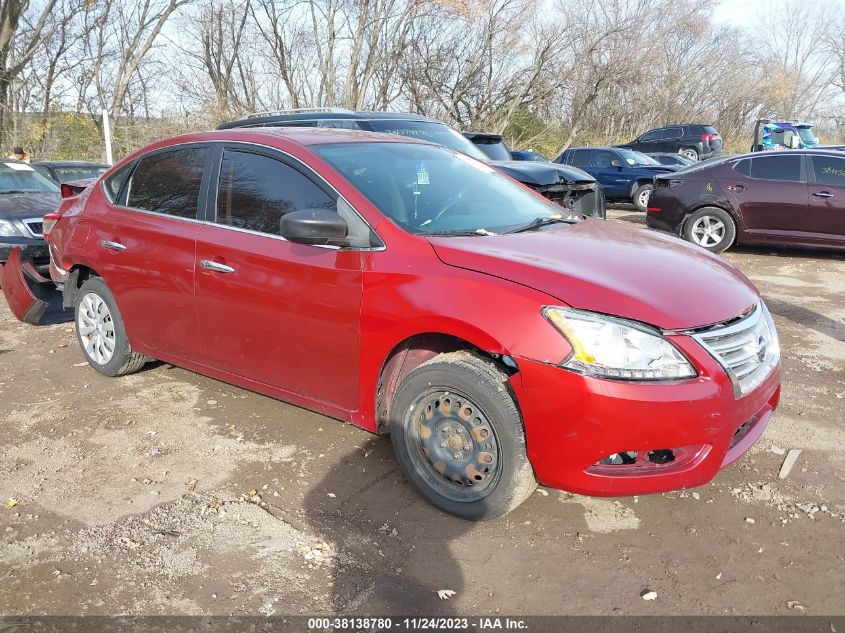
(625, 175)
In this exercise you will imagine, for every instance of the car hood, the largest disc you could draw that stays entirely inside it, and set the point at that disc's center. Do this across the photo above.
(540, 174)
(654, 169)
(21, 206)
(613, 269)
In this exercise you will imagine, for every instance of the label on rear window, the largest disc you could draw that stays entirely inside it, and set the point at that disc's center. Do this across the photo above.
(19, 167)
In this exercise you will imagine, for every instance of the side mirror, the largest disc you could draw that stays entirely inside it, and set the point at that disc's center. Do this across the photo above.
(313, 226)
(616, 163)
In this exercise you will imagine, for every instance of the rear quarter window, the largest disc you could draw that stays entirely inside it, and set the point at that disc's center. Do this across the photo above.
(114, 183)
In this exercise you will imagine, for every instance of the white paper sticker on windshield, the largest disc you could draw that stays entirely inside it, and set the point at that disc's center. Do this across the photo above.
(20, 166)
(422, 174)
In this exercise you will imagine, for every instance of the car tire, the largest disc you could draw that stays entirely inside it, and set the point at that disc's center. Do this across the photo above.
(689, 152)
(100, 331)
(458, 437)
(711, 228)
(641, 195)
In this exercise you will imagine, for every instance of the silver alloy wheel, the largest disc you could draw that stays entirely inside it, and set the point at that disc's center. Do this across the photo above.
(645, 194)
(689, 153)
(708, 231)
(96, 328)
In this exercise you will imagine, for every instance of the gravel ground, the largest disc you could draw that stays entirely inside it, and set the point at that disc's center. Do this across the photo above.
(170, 493)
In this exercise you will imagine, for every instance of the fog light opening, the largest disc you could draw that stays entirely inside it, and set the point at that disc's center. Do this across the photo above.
(661, 456)
(619, 459)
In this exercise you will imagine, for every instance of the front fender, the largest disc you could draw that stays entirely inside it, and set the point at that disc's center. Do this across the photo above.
(492, 314)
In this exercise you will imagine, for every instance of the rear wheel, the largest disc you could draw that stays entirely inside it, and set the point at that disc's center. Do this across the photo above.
(711, 228)
(641, 195)
(100, 331)
(689, 153)
(458, 436)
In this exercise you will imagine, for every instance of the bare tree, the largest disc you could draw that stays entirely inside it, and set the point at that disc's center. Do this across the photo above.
(20, 36)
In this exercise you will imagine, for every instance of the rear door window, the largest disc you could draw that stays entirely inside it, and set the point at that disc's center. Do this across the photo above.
(580, 158)
(783, 167)
(671, 133)
(255, 191)
(829, 170)
(169, 182)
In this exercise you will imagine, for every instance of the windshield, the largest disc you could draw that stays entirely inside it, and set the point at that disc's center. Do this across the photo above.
(493, 151)
(67, 174)
(430, 190)
(637, 158)
(807, 136)
(21, 178)
(432, 132)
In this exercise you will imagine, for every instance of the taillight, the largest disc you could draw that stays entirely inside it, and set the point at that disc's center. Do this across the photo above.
(708, 137)
(70, 189)
(49, 222)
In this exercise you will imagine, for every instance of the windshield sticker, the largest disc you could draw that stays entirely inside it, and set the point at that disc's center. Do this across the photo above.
(19, 166)
(422, 174)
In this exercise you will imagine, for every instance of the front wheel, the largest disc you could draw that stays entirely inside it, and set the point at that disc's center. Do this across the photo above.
(641, 196)
(458, 436)
(100, 331)
(711, 228)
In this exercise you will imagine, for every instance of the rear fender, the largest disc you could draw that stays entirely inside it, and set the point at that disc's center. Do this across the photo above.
(32, 297)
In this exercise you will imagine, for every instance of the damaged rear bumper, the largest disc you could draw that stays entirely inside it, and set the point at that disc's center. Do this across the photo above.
(32, 297)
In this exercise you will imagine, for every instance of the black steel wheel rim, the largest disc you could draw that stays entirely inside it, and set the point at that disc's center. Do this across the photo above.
(452, 445)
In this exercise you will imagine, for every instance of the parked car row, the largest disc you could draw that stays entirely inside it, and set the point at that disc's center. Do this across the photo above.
(384, 270)
(412, 289)
(571, 188)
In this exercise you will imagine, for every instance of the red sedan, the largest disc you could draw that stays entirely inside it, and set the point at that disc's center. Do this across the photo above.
(409, 289)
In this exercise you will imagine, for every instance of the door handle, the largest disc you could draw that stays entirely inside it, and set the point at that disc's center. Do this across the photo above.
(216, 267)
(823, 194)
(112, 246)
(736, 187)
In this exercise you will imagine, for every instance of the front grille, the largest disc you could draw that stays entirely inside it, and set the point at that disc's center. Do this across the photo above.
(35, 226)
(748, 349)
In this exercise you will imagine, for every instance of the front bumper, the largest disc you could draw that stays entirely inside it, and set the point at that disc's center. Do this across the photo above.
(573, 422)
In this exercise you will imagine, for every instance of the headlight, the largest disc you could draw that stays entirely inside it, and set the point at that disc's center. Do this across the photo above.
(615, 348)
(7, 229)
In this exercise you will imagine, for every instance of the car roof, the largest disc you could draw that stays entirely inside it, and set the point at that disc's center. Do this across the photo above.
(303, 136)
(334, 115)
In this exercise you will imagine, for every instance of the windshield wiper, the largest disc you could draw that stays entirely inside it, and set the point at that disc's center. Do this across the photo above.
(481, 231)
(544, 221)
(18, 191)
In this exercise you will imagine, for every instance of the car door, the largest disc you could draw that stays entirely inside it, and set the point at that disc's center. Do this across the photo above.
(270, 310)
(670, 140)
(648, 142)
(826, 203)
(770, 193)
(611, 171)
(145, 243)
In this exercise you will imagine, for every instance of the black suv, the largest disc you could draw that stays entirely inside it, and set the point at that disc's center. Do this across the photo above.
(568, 186)
(697, 142)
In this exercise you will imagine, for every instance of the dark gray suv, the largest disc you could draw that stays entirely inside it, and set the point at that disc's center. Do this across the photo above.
(692, 140)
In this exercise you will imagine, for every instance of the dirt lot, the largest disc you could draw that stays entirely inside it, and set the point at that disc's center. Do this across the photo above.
(167, 492)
